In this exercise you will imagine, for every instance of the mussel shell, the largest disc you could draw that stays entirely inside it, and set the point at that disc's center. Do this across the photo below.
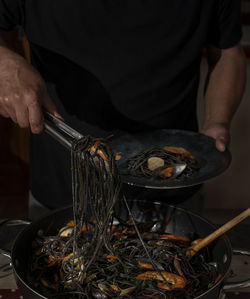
(98, 294)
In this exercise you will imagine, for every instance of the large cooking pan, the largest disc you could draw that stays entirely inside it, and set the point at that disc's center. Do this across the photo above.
(182, 222)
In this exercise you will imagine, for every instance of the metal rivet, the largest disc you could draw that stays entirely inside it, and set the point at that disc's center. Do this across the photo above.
(224, 258)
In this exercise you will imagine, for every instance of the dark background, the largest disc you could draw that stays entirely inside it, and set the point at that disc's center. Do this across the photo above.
(224, 196)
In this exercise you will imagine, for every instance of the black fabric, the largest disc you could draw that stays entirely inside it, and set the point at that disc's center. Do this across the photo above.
(112, 66)
(11, 13)
(225, 27)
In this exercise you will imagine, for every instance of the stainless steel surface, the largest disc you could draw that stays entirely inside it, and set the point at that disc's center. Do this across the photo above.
(7, 280)
(241, 251)
(60, 131)
(239, 284)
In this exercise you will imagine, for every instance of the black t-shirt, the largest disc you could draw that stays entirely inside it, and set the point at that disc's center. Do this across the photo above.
(110, 65)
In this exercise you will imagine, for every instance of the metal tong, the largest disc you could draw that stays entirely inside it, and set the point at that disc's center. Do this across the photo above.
(60, 131)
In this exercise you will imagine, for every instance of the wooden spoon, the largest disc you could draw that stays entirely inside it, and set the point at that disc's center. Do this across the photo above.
(210, 238)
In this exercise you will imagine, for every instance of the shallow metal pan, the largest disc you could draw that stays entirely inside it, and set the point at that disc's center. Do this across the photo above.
(202, 147)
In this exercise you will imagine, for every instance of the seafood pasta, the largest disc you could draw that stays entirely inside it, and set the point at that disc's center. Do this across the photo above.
(98, 255)
(122, 268)
(157, 162)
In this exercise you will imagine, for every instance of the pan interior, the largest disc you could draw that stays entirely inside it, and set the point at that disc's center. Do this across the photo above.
(179, 221)
(203, 148)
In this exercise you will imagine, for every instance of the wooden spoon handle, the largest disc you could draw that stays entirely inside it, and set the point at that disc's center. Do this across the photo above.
(224, 228)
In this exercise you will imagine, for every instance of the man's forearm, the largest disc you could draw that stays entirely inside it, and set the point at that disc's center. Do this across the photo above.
(225, 87)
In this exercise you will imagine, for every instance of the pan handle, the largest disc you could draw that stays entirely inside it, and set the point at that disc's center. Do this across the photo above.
(14, 222)
(9, 229)
(6, 269)
(5, 253)
(240, 284)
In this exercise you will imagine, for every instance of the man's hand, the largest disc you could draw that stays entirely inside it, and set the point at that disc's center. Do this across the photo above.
(220, 133)
(23, 92)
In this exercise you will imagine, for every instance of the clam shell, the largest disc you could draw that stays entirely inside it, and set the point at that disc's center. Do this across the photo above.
(154, 163)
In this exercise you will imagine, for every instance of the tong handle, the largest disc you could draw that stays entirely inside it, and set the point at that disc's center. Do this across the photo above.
(59, 130)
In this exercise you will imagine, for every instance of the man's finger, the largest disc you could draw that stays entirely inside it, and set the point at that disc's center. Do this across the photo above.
(11, 113)
(22, 115)
(8, 109)
(4, 113)
(35, 117)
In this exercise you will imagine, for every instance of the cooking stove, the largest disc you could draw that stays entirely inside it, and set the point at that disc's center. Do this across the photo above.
(240, 268)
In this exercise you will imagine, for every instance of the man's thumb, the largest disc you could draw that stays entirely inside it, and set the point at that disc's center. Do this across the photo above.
(50, 107)
(221, 144)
